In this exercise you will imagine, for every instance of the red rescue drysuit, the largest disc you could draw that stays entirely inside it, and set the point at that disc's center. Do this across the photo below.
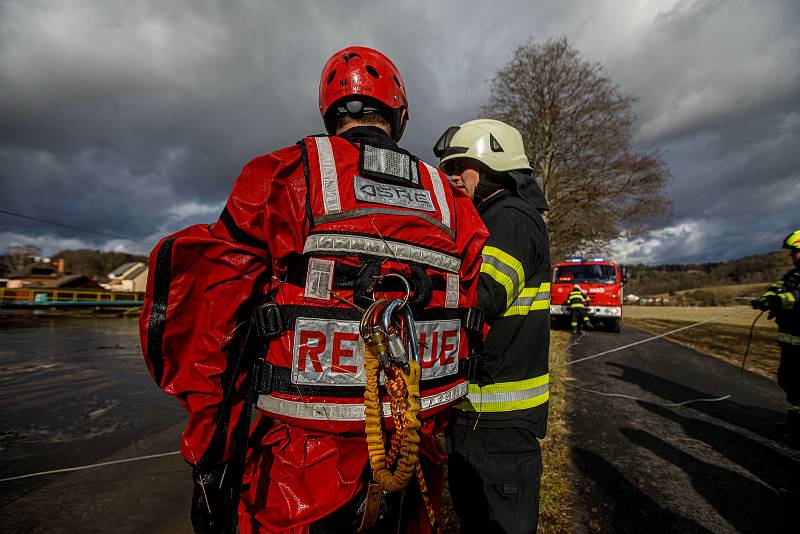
(304, 223)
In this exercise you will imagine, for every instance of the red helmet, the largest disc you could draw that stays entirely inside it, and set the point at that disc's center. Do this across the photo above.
(360, 71)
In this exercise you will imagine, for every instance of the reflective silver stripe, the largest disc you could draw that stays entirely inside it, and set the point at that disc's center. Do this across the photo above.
(505, 269)
(356, 244)
(329, 411)
(451, 292)
(530, 299)
(438, 191)
(510, 273)
(527, 302)
(788, 339)
(386, 161)
(351, 214)
(327, 171)
(507, 396)
(319, 279)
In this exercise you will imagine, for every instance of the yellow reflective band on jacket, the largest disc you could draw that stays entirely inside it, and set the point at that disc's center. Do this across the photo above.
(789, 339)
(774, 288)
(530, 299)
(504, 269)
(788, 300)
(507, 396)
(575, 295)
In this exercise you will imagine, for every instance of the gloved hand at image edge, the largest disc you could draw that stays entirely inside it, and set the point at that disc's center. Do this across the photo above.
(767, 302)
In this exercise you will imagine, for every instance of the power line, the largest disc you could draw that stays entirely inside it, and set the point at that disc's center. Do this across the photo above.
(653, 338)
(78, 228)
(91, 466)
(605, 394)
(649, 339)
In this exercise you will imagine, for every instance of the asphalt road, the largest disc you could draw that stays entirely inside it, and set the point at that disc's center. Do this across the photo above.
(704, 467)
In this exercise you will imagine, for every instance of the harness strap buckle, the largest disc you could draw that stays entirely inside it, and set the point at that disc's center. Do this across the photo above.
(472, 321)
(267, 320)
(471, 369)
(262, 377)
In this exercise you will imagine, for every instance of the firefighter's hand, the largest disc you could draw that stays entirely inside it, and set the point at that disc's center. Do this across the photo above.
(761, 303)
(486, 370)
(212, 502)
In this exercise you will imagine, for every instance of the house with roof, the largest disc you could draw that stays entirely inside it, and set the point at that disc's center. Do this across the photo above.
(130, 276)
(48, 276)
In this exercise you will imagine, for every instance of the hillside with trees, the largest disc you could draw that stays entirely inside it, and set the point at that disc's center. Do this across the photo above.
(671, 279)
(93, 263)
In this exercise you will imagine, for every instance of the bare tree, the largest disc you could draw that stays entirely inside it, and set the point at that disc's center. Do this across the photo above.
(18, 256)
(579, 135)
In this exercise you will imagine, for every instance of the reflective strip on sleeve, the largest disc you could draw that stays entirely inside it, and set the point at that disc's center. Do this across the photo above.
(504, 269)
(438, 191)
(358, 244)
(452, 291)
(777, 286)
(328, 176)
(789, 339)
(788, 300)
(331, 411)
(530, 299)
(577, 297)
(507, 396)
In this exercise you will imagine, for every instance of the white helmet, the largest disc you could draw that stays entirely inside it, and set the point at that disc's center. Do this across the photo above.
(496, 144)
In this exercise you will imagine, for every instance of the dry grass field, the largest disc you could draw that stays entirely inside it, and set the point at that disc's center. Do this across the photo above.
(727, 292)
(724, 338)
(555, 498)
(743, 291)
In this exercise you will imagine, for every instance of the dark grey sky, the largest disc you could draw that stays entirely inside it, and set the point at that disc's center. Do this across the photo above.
(134, 118)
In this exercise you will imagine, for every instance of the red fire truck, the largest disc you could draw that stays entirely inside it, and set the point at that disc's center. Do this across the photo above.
(602, 280)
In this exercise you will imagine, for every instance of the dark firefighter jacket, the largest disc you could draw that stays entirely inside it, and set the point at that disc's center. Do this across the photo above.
(577, 299)
(788, 317)
(514, 292)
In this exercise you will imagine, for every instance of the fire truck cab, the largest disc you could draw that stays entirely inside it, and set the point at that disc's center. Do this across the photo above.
(602, 280)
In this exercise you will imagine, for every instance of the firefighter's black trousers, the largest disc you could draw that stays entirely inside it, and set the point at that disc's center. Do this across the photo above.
(579, 317)
(789, 380)
(493, 475)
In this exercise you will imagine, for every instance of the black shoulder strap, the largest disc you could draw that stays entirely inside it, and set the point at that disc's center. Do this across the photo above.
(307, 175)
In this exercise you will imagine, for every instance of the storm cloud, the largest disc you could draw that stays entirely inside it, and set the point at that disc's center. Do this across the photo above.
(134, 118)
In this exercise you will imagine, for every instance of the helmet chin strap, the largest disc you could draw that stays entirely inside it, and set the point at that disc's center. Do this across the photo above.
(485, 188)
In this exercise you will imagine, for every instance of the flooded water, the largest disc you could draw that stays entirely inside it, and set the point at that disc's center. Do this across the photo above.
(72, 391)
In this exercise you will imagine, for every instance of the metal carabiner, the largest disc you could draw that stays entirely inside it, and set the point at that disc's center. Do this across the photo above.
(397, 350)
(405, 282)
(411, 351)
(413, 335)
(374, 335)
